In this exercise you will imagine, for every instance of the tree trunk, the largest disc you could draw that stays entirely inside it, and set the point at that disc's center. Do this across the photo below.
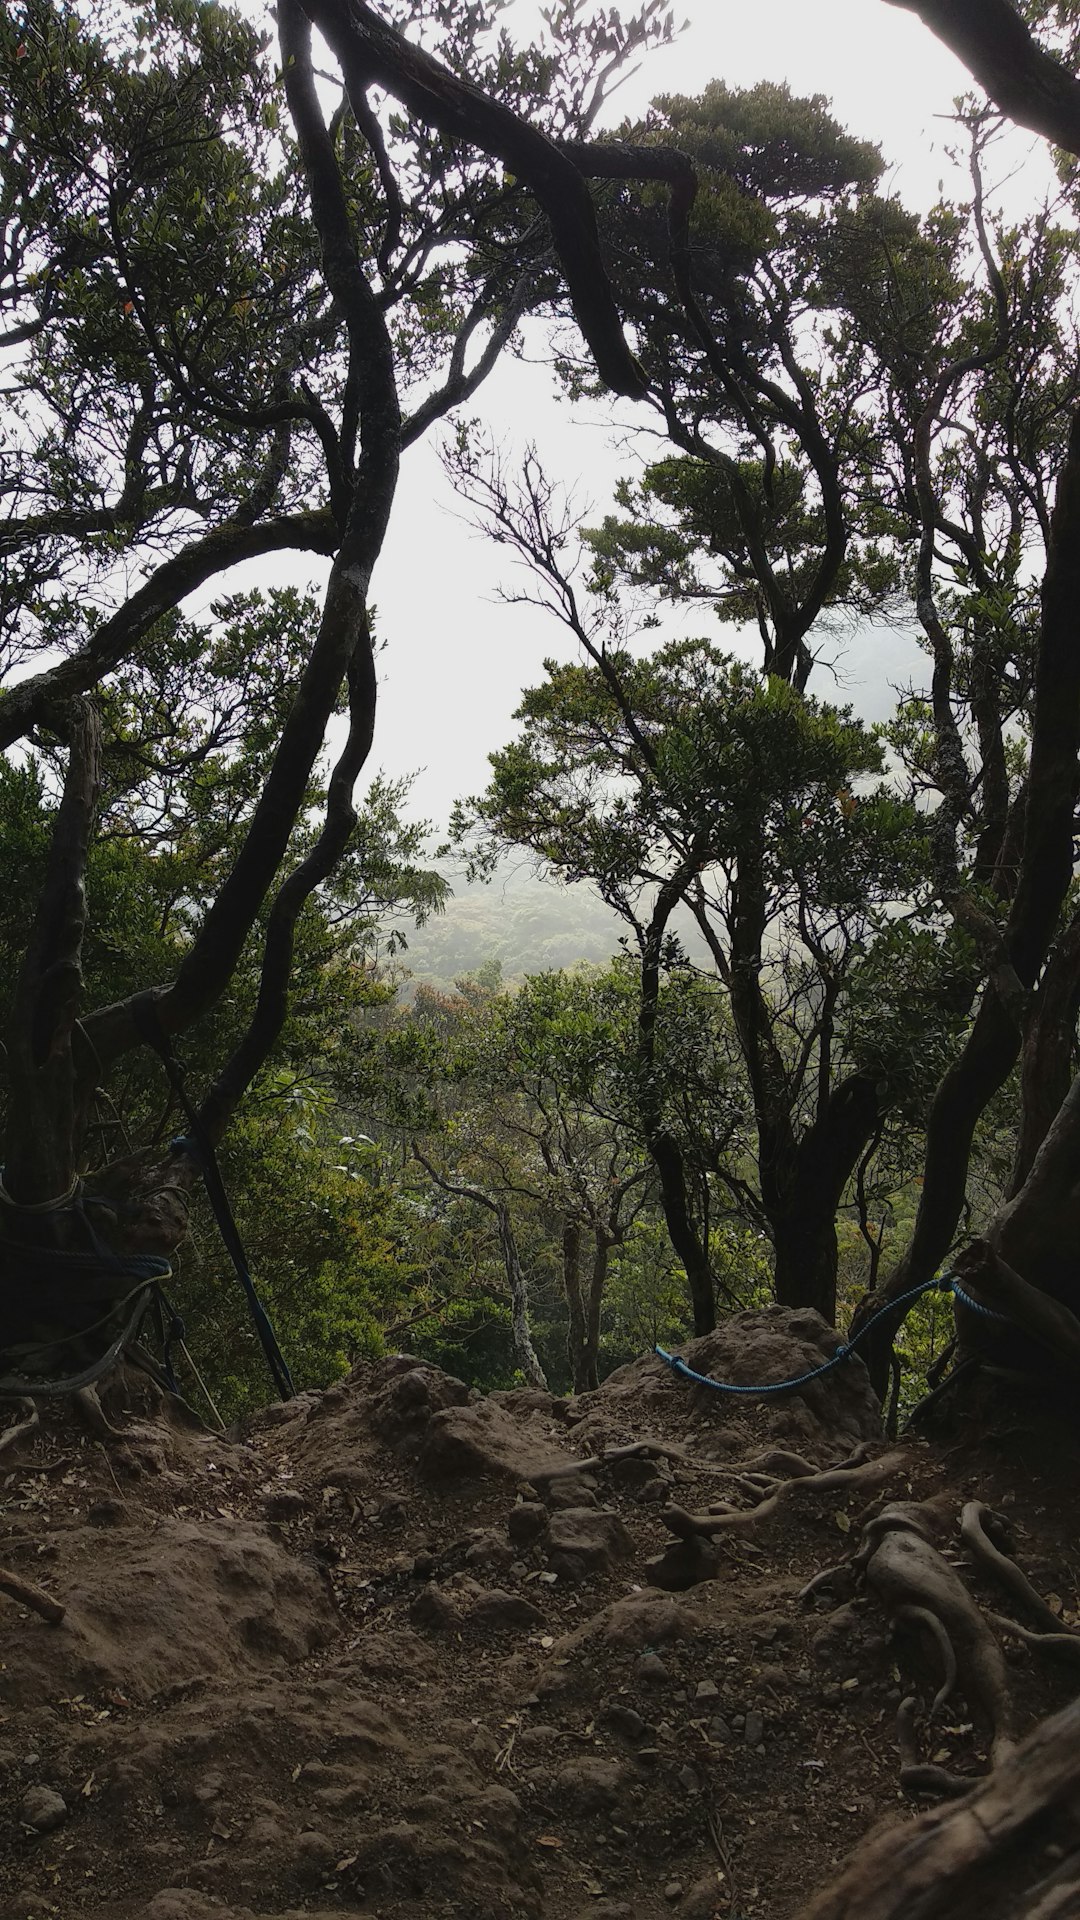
(597, 1282)
(805, 1255)
(1049, 1045)
(519, 1300)
(994, 1042)
(43, 1126)
(985, 1857)
(575, 1304)
(667, 1156)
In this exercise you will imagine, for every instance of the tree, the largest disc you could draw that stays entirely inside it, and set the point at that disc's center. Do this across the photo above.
(221, 306)
(682, 782)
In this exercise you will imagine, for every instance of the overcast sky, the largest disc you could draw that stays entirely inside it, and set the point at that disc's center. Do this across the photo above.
(455, 658)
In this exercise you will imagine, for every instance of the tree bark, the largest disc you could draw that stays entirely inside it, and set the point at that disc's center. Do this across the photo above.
(1048, 1052)
(575, 1302)
(995, 45)
(984, 1857)
(519, 1300)
(597, 1283)
(43, 1128)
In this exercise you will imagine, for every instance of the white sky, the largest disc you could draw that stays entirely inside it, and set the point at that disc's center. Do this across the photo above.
(455, 658)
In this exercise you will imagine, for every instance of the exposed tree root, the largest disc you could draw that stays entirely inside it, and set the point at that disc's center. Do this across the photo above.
(27, 1595)
(976, 1525)
(930, 1622)
(91, 1413)
(12, 1435)
(904, 1570)
(1059, 1646)
(939, 1867)
(923, 1779)
(764, 1465)
(860, 1473)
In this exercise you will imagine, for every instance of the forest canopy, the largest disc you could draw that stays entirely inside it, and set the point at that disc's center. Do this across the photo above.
(830, 1046)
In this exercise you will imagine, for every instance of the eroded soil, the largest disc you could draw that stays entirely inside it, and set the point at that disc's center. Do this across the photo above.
(393, 1652)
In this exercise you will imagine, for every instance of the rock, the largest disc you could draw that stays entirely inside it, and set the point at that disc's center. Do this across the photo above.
(409, 1401)
(581, 1541)
(43, 1809)
(685, 1564)
(622, 1719)
(754, 1729)
(704, 1899)
(317, 1850)
(528, 1400)
(688, 1780)
(105, 1513)
(706, 1690)
(647, 1620)
(651, 1671)
(760, 1347)
(423, 1566)
(434, 1609)
(499, 1612)
(464, 1441)
(590, 1786)
(182, 1903)
(636, 1470)
(834, 1640)
(570, 1490)
(526, 1522)
(674, 1890)
(719, 1729)
(484, 1747)
(488, 1550)
(285, 1503)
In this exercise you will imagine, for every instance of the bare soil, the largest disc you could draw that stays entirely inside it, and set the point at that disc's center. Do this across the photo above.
(392, 1651)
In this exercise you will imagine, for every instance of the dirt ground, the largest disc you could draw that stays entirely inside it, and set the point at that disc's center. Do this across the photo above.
(394, 1651)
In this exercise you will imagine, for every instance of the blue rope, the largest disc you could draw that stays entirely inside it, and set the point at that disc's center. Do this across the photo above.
(976, 1306)
(945, 1285)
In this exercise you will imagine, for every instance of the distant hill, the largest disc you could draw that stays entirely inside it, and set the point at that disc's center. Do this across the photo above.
(526, 924)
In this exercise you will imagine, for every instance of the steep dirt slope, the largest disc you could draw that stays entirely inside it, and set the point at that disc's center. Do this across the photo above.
(396, 1651)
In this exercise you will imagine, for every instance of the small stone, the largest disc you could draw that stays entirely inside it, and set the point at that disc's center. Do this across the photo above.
(434, 1609)
(285, 1503)
(623, 1719)
(43, 1809)
(497, 1611)
(754, 1729)
(105, 1513)
(526, 1522)
(719, 1729)
(423, 1566)
(706, 1690)
(689, 1780)
(673, 1890)
(651, 1670)
(317, 1849)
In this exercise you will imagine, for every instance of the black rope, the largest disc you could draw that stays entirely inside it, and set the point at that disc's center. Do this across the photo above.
(198, 1145)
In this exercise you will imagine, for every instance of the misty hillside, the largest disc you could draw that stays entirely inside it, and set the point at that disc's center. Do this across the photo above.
(524, 923)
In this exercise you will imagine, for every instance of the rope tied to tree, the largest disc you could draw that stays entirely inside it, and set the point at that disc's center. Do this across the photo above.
(945, 1283)
(56, 1288)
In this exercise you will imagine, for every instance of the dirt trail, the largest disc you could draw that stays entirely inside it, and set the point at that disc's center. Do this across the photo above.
(395, 1652)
